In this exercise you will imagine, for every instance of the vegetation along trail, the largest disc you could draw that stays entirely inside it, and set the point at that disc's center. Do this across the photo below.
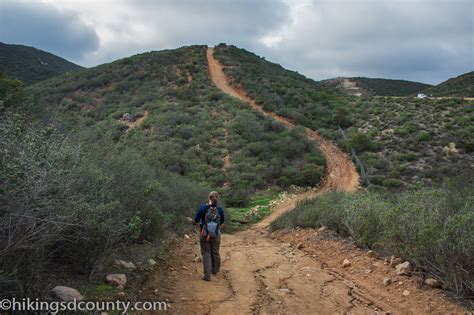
(297, 272)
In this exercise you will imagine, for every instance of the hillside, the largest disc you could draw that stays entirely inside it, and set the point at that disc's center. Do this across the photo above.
(461, 86)
(375, 87)
(282, 91)
(164, 105)
(403, 141)
(400, 141)
(31, 65)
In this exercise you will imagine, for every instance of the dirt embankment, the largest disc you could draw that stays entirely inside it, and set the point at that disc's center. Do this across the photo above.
(298, 272)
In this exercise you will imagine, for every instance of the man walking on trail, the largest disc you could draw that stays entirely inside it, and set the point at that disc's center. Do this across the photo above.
(210, 218)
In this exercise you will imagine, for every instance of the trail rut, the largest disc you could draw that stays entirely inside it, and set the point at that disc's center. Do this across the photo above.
(268, 273)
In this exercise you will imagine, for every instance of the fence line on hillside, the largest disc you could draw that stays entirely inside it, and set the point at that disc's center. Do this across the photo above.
(358, 161)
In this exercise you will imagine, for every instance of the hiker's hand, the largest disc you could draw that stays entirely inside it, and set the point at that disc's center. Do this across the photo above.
(222, 226)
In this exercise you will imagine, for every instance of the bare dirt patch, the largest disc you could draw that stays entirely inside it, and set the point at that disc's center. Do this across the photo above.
(137, 122)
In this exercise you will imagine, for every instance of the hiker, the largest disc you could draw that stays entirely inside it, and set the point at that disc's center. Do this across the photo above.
(210, 218)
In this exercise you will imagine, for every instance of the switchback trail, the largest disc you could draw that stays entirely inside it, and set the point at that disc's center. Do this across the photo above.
(297, 272)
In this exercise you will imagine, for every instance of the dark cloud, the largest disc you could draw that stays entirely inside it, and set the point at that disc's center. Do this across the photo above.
(43, 26)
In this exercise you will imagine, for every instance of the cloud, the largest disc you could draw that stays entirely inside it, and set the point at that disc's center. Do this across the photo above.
(43, 26)
(129, 27)
(421, 40)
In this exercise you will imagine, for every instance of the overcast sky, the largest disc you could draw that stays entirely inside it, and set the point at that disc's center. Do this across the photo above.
(421, 40)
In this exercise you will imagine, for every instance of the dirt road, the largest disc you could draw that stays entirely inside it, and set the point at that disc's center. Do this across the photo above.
(297, 272)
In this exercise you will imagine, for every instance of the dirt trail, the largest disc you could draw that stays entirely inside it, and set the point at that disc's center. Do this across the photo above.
(298, 272)
(341, 173)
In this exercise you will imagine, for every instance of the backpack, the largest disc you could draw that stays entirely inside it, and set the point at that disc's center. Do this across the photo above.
(212, 222)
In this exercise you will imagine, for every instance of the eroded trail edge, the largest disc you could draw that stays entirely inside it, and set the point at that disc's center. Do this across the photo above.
(297, 272)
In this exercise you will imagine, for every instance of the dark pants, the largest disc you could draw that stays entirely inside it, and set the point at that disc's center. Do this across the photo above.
(210, 255)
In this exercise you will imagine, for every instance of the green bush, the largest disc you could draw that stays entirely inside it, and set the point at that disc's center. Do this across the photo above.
(424, 136)
(392, 182)
(410, 156)
(375, 160)
(360, 142)
(68, 204)
(46, 213)
(11, 92)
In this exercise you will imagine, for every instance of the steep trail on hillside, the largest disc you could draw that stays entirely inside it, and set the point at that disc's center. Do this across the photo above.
(341, 174)
(298, 272)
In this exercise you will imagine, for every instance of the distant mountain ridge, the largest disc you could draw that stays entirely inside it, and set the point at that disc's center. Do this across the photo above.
(31, 65)
(375, 86)
(460, 86)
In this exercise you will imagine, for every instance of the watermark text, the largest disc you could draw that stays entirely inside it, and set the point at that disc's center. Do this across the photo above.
(53, 307)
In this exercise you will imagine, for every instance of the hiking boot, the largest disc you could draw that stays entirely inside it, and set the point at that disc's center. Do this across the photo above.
(205, 279)
(214, 272)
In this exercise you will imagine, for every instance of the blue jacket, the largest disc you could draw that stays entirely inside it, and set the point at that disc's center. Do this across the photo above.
(201, 214)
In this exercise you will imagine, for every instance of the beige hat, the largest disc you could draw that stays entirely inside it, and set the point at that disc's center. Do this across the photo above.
(213, 194)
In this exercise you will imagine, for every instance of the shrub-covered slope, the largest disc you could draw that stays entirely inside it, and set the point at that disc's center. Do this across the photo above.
(401, 141)
(31, 65)
(282, 91)
(164, 104)
(66, 203)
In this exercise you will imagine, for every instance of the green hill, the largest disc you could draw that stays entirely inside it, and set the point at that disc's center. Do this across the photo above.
(461, 86)
(388, 87)
(164, 105)
(375, 87)
(31, 65)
